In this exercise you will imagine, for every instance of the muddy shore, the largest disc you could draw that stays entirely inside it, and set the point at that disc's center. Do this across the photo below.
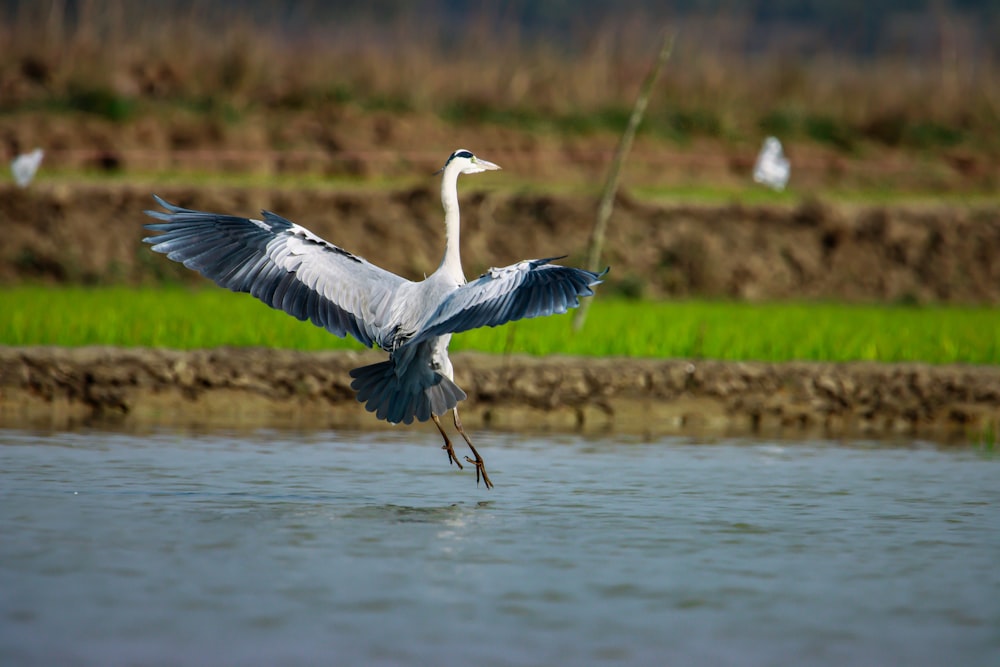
(254, 388)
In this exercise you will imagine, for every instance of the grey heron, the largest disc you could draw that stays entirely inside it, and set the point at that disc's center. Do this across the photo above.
(291, 269)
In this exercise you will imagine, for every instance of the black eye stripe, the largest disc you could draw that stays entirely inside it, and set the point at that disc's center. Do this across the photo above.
(460, 153)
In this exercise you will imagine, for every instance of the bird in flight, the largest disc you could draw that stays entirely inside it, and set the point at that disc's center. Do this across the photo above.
(291, 269)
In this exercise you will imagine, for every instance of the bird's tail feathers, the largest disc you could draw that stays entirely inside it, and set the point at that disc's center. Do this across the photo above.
(403, 399)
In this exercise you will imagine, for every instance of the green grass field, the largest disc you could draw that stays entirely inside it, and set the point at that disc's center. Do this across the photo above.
(188, 319)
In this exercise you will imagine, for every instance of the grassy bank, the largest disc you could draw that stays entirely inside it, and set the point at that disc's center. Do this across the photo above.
(185, 319)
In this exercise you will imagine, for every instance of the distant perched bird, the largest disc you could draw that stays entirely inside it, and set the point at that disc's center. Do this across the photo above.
(772, 168)
(23, 167)
(290, 268)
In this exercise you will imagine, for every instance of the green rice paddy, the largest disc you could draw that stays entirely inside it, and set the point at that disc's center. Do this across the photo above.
(182, 318)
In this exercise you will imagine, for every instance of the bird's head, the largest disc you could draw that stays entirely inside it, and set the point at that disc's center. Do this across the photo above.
(467, 163)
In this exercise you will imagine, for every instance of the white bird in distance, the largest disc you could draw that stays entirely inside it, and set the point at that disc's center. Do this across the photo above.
(772, 168)
(24, 167)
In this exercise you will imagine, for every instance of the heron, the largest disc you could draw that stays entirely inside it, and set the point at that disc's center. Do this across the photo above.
(292, 269)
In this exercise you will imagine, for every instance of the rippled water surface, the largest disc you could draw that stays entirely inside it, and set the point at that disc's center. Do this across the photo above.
(347, 548)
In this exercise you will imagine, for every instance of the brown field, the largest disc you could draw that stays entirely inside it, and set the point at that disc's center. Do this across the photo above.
(140, 89)
(890, 253)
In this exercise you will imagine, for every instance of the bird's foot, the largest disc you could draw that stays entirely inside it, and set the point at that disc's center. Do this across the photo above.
(452, 457)
(480, 467)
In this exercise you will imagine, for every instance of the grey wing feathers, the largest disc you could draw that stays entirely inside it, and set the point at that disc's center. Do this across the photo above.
(531, 288)
(282, 264)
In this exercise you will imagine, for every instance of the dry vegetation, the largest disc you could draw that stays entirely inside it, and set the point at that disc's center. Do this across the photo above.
(144, 87)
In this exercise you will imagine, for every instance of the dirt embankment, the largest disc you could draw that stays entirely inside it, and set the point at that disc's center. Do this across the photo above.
(873, 253)
(240, 388)
(92, 235)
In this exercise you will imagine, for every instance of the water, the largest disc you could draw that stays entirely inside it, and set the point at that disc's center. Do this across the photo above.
(347, 548)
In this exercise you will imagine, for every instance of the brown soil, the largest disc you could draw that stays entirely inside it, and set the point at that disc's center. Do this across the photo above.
(873, 253)
(247, 388)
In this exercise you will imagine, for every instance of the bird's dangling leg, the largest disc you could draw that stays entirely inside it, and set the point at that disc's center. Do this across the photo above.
(452, 457)
(478, 461)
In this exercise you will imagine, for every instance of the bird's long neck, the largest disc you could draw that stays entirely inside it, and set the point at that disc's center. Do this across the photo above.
(451, 264)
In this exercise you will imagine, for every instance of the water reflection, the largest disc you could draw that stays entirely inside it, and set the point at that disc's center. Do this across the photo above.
(366, 548)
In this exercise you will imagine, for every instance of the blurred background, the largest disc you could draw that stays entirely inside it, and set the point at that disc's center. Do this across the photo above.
(363, 88)
(235, 104)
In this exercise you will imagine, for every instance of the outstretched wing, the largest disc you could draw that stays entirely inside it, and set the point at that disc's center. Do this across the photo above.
(284, 265)
(531, 288)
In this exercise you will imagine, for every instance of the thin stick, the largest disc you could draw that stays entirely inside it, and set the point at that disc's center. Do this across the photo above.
(614, 172)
